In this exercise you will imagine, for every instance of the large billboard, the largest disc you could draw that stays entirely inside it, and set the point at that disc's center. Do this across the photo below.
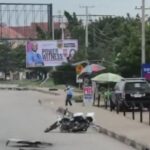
(50, 53)
(18, 21)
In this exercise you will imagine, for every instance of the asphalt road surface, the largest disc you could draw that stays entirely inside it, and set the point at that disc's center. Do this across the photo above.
(22, 117)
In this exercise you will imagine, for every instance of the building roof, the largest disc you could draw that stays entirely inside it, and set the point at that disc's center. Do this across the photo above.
(7, 32)
(24, 31)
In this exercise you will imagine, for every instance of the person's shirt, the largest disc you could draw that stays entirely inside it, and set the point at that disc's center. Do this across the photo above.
(107, 94)
(69, 91)
(33, 58)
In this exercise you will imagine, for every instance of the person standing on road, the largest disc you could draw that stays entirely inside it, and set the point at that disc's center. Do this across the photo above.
(69, 94)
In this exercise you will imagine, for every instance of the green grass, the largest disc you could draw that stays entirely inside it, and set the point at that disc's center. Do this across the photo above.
(31, 83)
(36, 83)
(49, 84)
(22, 82)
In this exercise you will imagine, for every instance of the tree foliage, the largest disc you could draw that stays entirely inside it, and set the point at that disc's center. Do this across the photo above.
(116, 40)
(11, 59)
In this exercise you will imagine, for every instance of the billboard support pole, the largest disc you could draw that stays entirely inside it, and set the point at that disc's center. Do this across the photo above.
(50, 20)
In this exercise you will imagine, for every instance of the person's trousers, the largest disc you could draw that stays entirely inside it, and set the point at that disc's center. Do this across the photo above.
(68, 100)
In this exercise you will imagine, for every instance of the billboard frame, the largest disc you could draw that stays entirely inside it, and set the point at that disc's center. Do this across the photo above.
(8, 10)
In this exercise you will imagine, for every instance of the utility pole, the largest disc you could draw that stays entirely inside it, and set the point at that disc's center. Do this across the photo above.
(50, 18)
(142, 8)
(86, 28)
(94, 37)
(53, 29)
(143, 33)
(62, 26)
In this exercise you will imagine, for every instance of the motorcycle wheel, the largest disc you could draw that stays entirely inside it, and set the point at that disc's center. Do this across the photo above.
(85, 129)
(52, 127)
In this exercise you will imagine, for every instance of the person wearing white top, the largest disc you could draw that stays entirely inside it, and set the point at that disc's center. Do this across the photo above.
(69, 92)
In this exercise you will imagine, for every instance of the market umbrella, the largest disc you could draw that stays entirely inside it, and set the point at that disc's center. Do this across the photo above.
(92, 68)
(107, 77)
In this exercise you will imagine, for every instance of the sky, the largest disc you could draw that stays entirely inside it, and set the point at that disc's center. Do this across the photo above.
(101, 7)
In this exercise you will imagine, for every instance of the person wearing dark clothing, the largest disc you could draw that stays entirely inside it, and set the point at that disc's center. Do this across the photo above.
(99, 99)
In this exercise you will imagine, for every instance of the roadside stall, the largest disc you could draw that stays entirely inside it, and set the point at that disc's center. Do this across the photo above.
(105, 82)
(86, 75)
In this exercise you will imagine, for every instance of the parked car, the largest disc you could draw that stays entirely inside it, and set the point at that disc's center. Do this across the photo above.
(129, 91)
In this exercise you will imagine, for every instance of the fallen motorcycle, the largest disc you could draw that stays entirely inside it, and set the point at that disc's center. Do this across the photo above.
(77, 122)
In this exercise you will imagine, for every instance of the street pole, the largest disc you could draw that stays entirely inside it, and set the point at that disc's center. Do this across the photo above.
(86, 29)
(50, 18)
(143, 33)
(143, 58)
(53, 29)
(62, 26)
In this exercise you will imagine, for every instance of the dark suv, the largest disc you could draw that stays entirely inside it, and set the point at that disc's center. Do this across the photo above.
(131, 91)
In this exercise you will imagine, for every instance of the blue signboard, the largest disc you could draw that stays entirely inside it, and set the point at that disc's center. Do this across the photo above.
(146, 71)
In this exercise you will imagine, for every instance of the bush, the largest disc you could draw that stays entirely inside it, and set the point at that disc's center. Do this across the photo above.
(64, 75)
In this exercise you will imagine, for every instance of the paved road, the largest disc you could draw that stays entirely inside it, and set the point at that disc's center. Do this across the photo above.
(22, 116)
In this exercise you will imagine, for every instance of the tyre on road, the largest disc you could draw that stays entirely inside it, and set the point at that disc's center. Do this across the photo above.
(52, 127)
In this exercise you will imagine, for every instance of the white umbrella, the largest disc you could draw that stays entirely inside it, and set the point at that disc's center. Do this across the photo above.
(107, 77)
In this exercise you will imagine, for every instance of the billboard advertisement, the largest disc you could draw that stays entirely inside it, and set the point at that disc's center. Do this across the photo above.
(50, 53)
(146, 71)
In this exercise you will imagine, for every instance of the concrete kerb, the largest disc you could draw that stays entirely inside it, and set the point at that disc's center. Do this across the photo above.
(123, 139)
(14, 88)
(28, 89)
(98, 128)
(43, 91)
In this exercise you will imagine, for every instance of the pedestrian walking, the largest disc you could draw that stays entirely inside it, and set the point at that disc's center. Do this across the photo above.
(69, 95)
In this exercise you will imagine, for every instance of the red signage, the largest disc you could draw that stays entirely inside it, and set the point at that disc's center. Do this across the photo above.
(88, 94)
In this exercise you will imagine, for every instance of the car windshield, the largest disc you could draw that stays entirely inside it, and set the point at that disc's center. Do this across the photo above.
(137, 86)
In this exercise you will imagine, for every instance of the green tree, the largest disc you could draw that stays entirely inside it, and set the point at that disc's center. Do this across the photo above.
(18, 58)
(5, 59)
(77, 31)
